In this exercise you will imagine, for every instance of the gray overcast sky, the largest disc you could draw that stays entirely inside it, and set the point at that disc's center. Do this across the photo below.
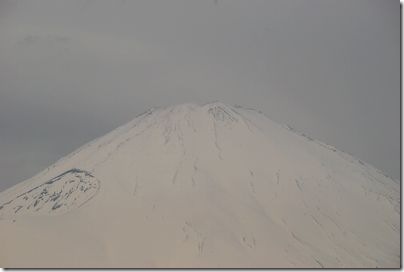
(71, 71)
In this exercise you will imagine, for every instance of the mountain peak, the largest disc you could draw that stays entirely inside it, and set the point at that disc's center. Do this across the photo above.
(184, 107)
(216, 103)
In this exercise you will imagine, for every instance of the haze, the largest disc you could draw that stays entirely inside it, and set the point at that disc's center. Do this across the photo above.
(71, 71)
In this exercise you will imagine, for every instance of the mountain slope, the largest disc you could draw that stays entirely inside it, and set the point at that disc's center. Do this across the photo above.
(203, 186)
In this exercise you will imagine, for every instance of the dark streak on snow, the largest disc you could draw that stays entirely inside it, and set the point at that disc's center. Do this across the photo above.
(317, 261)
(219, 113)
(299, 185)
(39, 196)
(195, 171)
(216, 142)
(278, 177)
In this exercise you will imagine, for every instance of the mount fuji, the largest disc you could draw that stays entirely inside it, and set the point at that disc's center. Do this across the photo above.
(203, 186)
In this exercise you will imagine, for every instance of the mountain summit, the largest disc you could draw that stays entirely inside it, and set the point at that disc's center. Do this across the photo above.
(203, 186)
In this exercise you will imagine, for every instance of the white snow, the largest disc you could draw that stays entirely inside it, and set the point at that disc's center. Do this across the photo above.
(203, 186)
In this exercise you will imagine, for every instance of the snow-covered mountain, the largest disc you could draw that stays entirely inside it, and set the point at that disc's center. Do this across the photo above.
(203, 186)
